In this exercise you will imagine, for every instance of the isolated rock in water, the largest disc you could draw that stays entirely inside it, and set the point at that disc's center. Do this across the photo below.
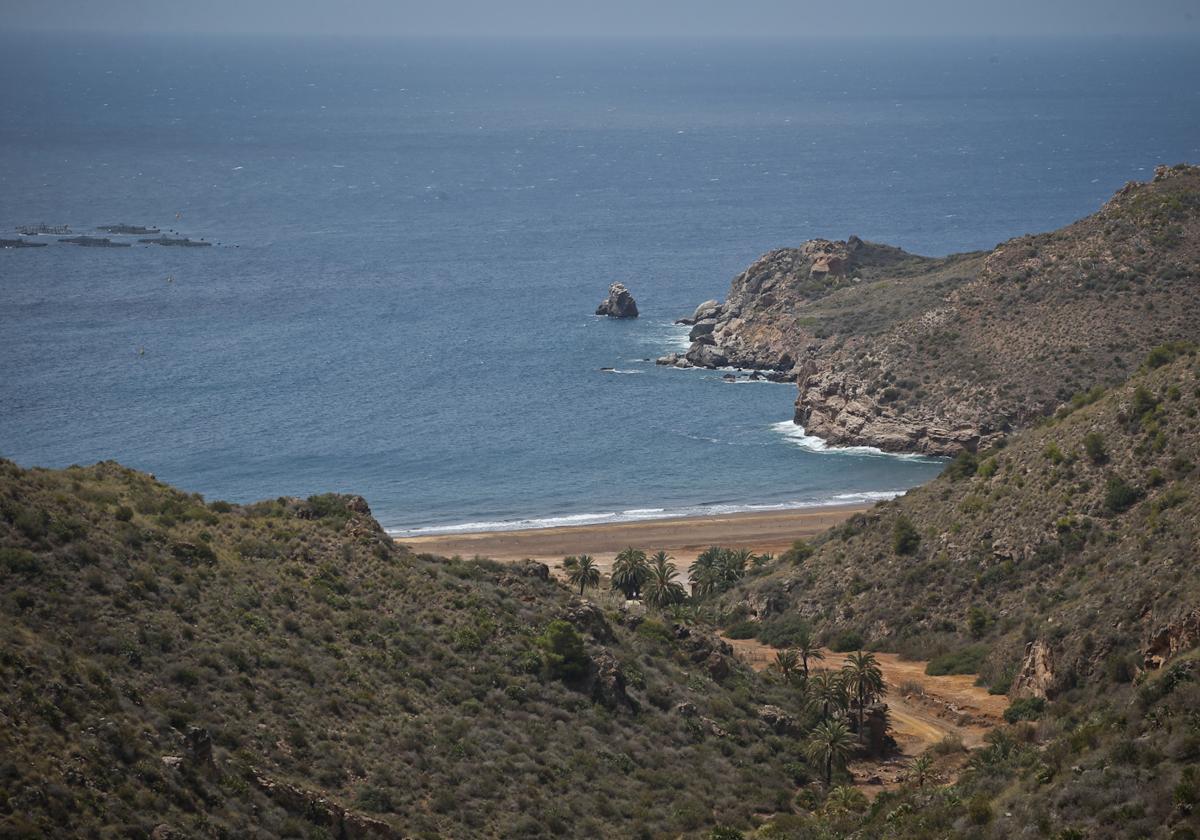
(619, 303)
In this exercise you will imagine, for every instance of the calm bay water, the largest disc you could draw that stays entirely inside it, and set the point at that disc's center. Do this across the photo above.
(413, 238)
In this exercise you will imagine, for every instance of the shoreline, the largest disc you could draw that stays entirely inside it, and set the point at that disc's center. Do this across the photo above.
(684, 537)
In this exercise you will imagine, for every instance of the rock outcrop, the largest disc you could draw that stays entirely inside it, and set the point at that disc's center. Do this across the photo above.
(937, 355)
(619, 303)
(1171, 639)
(322, 811)
(607, 684)
(1035, 678)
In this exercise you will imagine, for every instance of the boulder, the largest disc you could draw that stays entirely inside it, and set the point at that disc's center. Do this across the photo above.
(779, 721)
(710, 309)
(701, 328)
(707, 355)
(618, 304)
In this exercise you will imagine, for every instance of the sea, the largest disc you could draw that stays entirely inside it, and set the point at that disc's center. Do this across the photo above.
(409, 240)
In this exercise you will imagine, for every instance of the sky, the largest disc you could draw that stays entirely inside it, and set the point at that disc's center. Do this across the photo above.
(612, 18)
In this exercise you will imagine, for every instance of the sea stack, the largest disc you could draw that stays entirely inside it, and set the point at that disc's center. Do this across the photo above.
(619, 303)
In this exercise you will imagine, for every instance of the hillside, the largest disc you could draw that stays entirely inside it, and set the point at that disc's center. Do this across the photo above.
(931, 355)
(176, 668)
(1062, 568)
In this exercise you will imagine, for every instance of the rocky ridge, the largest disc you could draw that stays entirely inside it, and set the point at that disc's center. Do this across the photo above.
(937, 355)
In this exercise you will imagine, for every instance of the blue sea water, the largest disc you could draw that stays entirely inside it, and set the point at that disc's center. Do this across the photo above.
(413, 237)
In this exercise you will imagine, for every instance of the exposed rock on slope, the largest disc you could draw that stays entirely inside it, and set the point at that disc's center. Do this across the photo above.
(1066, 557)
(619, 303)
(911, 353)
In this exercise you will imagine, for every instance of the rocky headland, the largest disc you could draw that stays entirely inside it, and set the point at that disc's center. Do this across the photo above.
(938, 355)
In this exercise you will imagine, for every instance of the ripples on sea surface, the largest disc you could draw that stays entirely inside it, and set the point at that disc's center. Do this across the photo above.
(413, 238)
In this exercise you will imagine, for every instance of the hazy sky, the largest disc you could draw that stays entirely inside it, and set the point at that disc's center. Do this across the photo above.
(541, 18)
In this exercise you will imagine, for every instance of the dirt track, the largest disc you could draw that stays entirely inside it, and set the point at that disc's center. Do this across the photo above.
(923, 709)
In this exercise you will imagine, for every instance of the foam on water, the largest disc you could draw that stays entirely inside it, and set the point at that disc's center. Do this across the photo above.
(643, 514)
(796, 435)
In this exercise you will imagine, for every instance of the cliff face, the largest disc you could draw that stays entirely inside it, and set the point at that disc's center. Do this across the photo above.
(912, 353)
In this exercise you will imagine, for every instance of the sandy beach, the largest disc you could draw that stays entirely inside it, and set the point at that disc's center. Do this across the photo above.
(682, 537)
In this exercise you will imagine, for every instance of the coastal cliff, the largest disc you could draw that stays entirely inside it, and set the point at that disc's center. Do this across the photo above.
(937, 355)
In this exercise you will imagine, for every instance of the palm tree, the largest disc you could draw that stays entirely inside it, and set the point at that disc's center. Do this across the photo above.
(786, 663)
(807, 648)
(630, 571)
(920, 769)
(828, 692)
(583, 571)
(829, 745)
(662, 590)
(864, 680)
(704, 575)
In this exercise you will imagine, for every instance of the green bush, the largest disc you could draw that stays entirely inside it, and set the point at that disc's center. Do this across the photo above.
(783, 631)
(1119, 495)
(563, 654)
(742, 630)
(962, 661)
(845, 642)
(1093, 445)
(798, 553)
(1025, 708)
(20, 561)
(964, 465)
(905, 537)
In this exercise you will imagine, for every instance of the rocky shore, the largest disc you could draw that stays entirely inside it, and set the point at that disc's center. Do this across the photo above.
(937, 355)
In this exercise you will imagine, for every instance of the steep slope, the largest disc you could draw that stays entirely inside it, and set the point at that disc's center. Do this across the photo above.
(177, 668)
(1062, 568)
(936, 355)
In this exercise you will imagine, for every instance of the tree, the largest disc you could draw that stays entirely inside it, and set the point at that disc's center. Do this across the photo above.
(704, 574)
(787, 663)
(717, 569)
(583, 572)
(920, 769)
(808, 649)
(905, 536)
(829, 745)
(864, 680)
(661, 588)
(630, 571)
(562, 651)
(828, 692)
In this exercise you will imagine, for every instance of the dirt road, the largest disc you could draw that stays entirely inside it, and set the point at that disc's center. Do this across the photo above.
(923, 709)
